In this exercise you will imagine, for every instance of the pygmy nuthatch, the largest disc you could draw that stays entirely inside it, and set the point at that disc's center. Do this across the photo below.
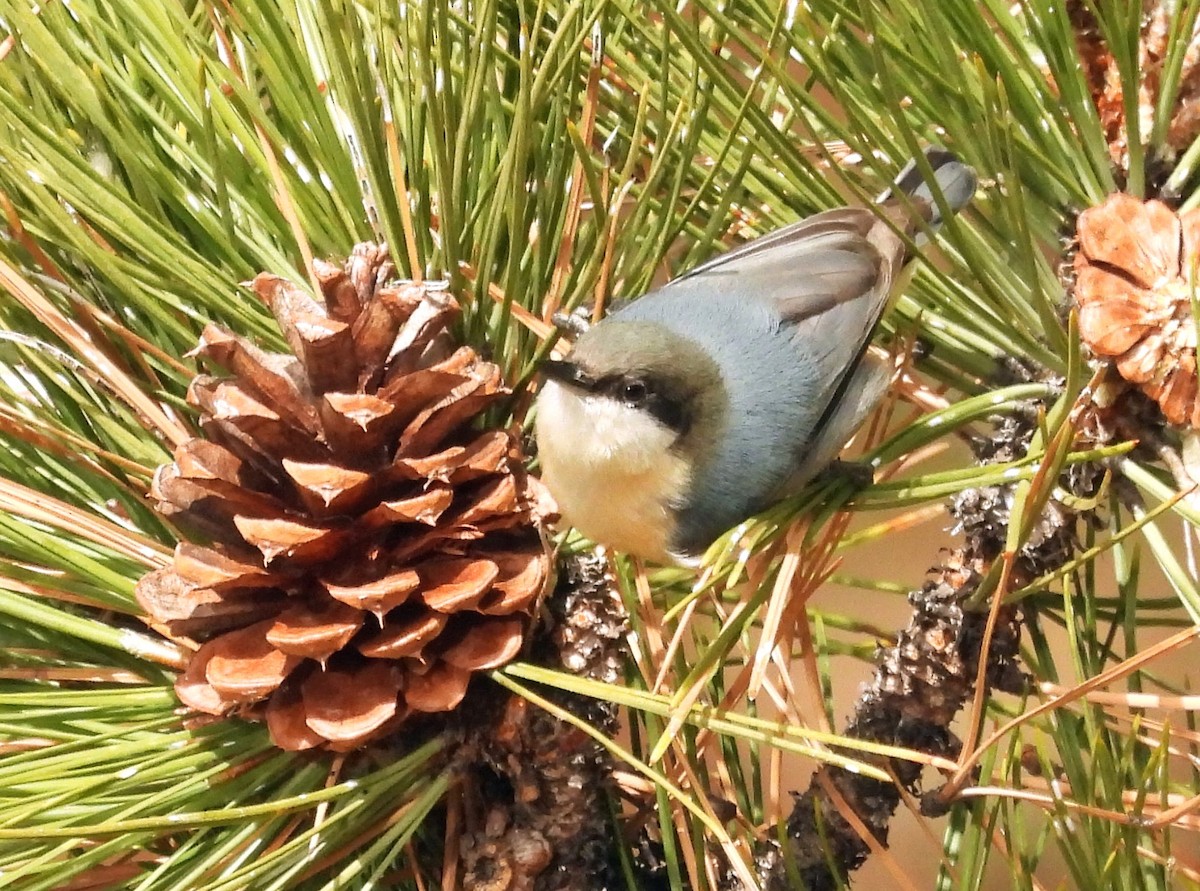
(724, 391)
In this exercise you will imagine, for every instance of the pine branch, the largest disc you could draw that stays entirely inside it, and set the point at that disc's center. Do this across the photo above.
(537, 792)
(929, 675)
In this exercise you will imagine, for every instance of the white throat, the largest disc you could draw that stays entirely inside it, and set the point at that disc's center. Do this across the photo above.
(612, 469)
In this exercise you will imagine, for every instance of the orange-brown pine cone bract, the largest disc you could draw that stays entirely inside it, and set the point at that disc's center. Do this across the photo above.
(1134, 281)
(362, 548)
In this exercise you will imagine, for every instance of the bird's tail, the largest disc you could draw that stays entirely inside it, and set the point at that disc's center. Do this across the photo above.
(955, 181)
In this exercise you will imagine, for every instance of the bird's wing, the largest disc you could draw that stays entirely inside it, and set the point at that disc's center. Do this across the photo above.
(839, 257)
(824, 280)
(819, 287)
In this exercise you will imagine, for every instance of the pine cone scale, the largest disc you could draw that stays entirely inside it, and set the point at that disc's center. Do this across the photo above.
(375, 329)
(274, 377)
(404, 637)
(326, 344)
(452, 584)
(348, 706)
(484, 643)
(242, 666)
(1134, 283)
(329, 489)
(425, 507)
(438, 690)
(314, 631)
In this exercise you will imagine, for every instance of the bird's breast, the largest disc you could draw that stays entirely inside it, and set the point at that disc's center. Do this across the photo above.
(612, 469)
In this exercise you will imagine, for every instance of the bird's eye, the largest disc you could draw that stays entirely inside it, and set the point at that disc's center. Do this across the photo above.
(633, 392)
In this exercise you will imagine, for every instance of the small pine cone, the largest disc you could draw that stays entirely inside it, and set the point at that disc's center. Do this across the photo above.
(1104, 78)
(366, 547)
(1133, 288)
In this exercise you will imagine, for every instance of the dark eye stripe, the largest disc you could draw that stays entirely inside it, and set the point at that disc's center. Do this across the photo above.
(669, 412)
(667, 407)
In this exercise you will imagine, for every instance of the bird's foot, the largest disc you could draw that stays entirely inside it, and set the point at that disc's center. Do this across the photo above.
(574, 324)
(859, 474)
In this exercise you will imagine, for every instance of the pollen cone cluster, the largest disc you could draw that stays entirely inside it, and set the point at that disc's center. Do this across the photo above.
(1135, 275)
(360, 547)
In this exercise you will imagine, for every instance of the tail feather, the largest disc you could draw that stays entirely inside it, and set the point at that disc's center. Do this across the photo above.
(955, 180)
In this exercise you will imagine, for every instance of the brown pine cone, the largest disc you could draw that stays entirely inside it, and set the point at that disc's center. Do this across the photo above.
(1105, 82)
(1134, 280)
(361, 548)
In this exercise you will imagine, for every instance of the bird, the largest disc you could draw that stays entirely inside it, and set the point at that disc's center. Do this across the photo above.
(694, 407)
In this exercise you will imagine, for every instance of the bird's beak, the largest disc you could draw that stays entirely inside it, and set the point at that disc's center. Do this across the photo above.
(566, 372)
